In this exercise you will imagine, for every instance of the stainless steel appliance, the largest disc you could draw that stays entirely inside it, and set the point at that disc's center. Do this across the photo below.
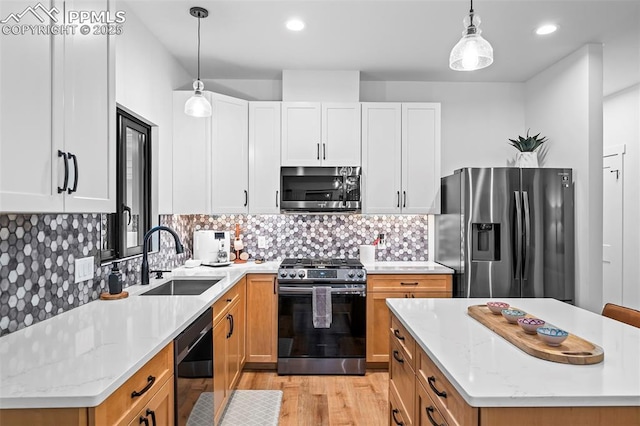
(320, 189)
(508, 232)
(338, 349)
(211, 247)
(193, 357)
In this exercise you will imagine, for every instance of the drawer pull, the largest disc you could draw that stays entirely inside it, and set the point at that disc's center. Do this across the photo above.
(150, 381)
(393, 414)
(395, 356)
(396, 333)
(402, 283)
(153, 416)
(144, 420)
(430, 410)
(432, 380)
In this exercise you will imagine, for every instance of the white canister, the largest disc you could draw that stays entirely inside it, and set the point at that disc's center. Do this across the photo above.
(367, 254)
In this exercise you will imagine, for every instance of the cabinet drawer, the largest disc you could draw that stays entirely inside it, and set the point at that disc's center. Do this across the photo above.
(405, 342)
(427, 414)
(122, 404)
(223, 304)
(398, 412)
(440, 283)
(446, 399)
(402, 379)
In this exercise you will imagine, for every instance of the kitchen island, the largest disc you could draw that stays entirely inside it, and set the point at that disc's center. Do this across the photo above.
(467, 374)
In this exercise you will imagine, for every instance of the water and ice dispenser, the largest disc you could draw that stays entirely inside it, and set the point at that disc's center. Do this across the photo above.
(485, 242)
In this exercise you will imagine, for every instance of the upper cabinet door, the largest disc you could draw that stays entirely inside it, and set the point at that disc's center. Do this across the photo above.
(230, 162)
(421, 158)
(89, 116)
(301, 134)
(381, 157)
(28, 150)
(340, 134)
(264, 157)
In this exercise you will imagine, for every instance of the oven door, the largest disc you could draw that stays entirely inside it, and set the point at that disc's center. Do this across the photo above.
(304, 349)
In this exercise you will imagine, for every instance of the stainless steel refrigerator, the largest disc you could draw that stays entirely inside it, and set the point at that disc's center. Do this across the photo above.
(508, 232)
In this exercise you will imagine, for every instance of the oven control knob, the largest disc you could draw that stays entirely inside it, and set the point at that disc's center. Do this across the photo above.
(351, 274)
(360, 274)
(292, 274)
(301, 274)
(283, 274)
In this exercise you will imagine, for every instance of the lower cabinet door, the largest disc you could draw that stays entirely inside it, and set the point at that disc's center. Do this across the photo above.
(159, 409)
(427, 414)
(220, 331)
(398, 415)
(378, 318)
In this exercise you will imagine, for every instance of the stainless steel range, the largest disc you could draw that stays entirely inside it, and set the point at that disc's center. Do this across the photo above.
(337, 343)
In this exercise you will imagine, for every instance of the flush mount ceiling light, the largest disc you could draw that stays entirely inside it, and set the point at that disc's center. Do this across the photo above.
(546, 29)
(472, 52)
(295, 24)
(197, 105)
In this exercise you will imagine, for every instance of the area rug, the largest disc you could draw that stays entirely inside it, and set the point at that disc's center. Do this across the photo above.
(245, 408)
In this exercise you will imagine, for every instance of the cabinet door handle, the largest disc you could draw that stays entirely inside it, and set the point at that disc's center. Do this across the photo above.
(229, 332)
(396, 333)
(75, 173)
(393, 414)
(324, 151)
(150, 381)
(277, 197)
(274, 285)
(318, 152)
(246, 197)
(404, 198)
(396, 356)
(66, 171)
(409, 283)
(432, 381)
(233, 325)
(144, 420)
(430, 410)
(153, 416)
(398, 200)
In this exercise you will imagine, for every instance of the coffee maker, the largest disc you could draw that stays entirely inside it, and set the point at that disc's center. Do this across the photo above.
(211, 247)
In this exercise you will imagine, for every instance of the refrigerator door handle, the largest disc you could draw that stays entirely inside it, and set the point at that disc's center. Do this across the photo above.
(518, 244)
(527, 232)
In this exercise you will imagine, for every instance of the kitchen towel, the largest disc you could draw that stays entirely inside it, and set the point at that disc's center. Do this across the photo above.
(321, 304)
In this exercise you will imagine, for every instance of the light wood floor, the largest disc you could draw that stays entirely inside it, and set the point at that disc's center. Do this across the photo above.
(326, 400)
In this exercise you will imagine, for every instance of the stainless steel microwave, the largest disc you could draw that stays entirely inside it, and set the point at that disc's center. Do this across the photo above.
(320, 189)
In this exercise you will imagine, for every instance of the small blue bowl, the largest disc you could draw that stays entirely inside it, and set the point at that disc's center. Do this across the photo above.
(512, 315)
(552, 336)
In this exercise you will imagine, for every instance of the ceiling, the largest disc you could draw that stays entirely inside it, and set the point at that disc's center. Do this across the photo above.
(385, 40)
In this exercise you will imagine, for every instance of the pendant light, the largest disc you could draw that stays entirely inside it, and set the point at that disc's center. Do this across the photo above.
(472, 52)
(197, 105)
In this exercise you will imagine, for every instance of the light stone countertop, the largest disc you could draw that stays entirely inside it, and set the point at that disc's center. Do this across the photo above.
(407, 268)
(78, 358)
(488, 371)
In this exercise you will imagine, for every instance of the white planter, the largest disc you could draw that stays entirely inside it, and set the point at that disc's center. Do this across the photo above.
(527, 160)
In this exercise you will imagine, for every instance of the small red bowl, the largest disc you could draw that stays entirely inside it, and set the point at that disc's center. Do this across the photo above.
(497, 307)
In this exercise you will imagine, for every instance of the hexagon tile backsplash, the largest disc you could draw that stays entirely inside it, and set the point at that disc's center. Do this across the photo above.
(37, 252)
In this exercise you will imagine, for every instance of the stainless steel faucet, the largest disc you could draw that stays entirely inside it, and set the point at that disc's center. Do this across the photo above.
(144, 278)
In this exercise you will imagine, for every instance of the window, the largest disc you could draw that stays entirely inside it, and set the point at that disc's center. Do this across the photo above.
(123, 231)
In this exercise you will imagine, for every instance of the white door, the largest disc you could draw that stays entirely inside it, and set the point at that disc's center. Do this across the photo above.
(420, 158)
(612, 220)
(340, 134)
(264, 157)
(28, 150)
(230, 162)
(301, 134)
(381, 157)
(89, 117)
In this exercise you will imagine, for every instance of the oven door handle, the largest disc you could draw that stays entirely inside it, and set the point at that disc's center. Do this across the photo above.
(308, 290)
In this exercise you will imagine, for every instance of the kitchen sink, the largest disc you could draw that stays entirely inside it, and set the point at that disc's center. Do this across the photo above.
(182, 288)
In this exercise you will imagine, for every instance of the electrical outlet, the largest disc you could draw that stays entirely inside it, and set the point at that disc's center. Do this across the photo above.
(262, 242)
(84, 269)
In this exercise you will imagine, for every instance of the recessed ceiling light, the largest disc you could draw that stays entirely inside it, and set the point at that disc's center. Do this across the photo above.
(546, 29)
(295, 24)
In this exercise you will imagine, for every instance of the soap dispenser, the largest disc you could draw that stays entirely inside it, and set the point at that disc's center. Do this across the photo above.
(115, 280)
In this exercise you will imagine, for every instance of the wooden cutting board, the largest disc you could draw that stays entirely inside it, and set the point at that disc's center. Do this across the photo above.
(574, 350)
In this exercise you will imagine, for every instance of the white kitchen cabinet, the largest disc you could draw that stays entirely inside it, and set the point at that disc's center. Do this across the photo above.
(210, 157)
(401, 158)
(264, 157)
(58, 94)
(320, 134)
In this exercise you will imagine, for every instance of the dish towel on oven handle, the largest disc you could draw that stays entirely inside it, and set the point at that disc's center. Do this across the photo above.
(321, 304)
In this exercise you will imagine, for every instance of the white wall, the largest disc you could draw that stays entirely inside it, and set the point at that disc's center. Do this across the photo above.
(146, 75)
(250, 90)
(564, 102)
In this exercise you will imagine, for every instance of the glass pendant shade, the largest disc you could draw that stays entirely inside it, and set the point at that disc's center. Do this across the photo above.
(472, 52)
(197, 105)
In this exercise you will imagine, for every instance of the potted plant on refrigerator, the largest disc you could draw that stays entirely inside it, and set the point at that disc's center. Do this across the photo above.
(527, 157)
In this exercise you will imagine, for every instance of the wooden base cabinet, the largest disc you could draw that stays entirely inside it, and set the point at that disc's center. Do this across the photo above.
(262, 318)
(381, 287)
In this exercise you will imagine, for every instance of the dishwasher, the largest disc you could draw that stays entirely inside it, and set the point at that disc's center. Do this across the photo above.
(193, 368)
